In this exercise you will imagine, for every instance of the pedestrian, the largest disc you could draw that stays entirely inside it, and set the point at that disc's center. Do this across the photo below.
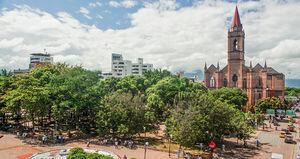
(88, 144)
(125, 157)
(116, 144)
(201, 146)
(257, 143)
(61, 138)
(223, 147)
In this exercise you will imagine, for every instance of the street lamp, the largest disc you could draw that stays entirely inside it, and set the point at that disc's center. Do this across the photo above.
(146, 144)
(170, 145)
(145, 131)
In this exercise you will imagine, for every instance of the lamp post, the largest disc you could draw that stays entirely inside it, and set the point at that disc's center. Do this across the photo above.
(170, 146)
(146, 144)
(145, 131)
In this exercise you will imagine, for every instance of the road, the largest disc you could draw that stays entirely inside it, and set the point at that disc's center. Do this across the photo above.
(272, 143)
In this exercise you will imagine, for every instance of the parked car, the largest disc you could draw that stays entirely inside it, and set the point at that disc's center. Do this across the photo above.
(291, 127)
(276, 156)
(282, 135)
(288, 139)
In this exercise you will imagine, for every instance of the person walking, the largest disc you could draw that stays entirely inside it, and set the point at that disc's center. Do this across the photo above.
(116, 144)
(125, 157)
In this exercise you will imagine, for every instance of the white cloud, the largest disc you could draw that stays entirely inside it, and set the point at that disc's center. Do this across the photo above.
(114, 4)
(129, 3)
(11, 43)
(99, 16)
(169, 37)
(163, 5)
(85, 12)
(96, 4)
(124, 3)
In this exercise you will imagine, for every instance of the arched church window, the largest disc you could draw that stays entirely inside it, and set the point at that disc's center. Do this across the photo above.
(235, 44)
(234, 80)
(259, 82)
(225, 82)
(244, 83)
(212, 82)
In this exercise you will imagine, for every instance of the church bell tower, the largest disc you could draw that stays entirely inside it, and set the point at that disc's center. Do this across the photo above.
(236, 60)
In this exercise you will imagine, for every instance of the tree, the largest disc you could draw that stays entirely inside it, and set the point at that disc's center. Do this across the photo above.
(234, 96)
(291, 91)
(201, 118)
(122, 115)
(79, 153)
(268, 103)
(74, 98)
(153, 76)
(160, 97)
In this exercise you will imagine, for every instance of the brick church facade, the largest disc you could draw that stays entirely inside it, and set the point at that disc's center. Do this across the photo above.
(258, 81)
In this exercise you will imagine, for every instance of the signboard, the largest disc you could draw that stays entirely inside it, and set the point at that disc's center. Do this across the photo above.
(291, 113)
(212, 144)
(270, 112)
(280, 112)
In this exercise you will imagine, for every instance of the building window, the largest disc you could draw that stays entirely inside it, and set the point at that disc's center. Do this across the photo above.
(234, 80)
(225, 82)
(235, 45)
(212, 82)
(244, 83)
(259, 82)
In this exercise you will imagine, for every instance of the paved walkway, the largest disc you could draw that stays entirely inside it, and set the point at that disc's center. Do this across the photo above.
(12, 147)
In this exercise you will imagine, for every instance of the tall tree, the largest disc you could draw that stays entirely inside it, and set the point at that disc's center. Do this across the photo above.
(121, 115)
(234, 96)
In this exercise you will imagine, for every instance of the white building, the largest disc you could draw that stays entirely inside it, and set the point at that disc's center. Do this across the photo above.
(121, 67)
(40, 58)
(35, 59)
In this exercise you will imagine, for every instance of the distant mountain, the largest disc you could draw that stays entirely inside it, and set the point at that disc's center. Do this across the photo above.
(194, 73)
(292, 83)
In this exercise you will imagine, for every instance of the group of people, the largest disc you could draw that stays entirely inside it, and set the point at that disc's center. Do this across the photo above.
(57, 139)
(117, 143)
(23, 135)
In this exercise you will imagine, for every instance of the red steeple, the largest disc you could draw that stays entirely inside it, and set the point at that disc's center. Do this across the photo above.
(236, 18)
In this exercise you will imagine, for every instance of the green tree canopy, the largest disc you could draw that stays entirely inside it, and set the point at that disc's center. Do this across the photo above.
(268, 103)
(202, 118)
(234, 96)
(123, 115)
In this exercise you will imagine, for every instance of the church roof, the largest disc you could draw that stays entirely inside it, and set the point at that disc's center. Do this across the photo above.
(236, 18)
(212, 68)
(257, 68)
(271, 70)
(224, 69)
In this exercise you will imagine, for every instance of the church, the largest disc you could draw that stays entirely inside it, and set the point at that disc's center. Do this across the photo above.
(257, 80)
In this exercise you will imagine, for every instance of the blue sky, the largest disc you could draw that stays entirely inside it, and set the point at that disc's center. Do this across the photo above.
(171, 34)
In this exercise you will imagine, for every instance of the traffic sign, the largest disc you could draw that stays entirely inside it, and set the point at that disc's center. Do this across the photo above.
(212, 144)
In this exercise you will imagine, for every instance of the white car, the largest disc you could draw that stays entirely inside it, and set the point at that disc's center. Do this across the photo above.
(276, 156)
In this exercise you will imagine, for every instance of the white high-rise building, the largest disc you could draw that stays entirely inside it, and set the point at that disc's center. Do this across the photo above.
(40, 58)
(121, 67)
